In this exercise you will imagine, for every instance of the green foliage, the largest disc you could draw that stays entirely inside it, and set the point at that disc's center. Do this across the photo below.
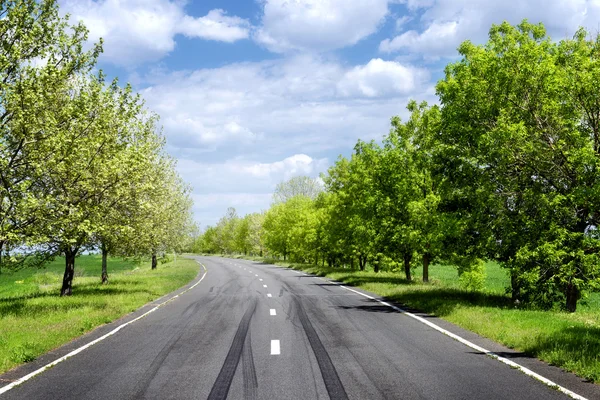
(521, 143)
(473, 278)
(82, 163)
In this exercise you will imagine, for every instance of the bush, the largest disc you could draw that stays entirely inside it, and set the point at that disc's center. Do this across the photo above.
(472, 278)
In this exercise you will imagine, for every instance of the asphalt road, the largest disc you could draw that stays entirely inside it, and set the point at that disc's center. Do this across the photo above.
(255, 331)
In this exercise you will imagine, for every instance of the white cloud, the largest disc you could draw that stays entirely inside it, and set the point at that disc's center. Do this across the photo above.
(137, 31)
(318, 25)
(215, 26)
(381, 78)
(298, 164)
(246, 185)
(294, 105)
(244, 176)
(446, 23)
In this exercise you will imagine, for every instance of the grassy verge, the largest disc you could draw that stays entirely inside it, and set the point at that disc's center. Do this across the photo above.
(34, 319)
(570, 341)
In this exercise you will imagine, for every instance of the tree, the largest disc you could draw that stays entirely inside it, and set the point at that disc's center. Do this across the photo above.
(290, 228)
(116, 226)
(91, 159)
(415, 141)
(520, 131)
(297, 186)
(37, 58)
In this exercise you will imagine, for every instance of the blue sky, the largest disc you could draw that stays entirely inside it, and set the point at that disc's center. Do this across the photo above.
(253, 92)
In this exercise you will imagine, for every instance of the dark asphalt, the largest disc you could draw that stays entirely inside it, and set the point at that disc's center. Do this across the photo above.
(214, 342)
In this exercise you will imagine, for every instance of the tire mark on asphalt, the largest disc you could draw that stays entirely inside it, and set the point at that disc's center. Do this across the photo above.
(144, 382)
(222, 384)
(249, 371)
(334, 386)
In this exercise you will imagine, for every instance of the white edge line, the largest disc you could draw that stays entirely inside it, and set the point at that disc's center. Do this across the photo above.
(506, 361)
(27, 377)
(273, 312)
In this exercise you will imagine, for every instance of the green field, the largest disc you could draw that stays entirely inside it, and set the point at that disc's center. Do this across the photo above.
(568, 340)
(34, 319)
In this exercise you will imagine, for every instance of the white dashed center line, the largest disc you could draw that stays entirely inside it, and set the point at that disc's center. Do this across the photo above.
(264, 285)
(269, 295)
(273, 312)
(275, 348)
(260, 279)
(256, 275)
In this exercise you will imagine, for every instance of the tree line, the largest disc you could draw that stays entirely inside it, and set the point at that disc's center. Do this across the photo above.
(82, 161)
(504, 168)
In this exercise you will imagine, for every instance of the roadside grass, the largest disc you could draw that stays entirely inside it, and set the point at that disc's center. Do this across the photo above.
(568, 340)
(35, 319)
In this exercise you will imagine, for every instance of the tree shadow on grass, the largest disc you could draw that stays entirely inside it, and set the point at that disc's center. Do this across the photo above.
(575, 347)
(83, 296)
(357, 280)
(443, 301)
(439, 301)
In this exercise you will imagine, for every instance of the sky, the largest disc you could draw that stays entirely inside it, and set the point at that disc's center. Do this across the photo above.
(253, 92)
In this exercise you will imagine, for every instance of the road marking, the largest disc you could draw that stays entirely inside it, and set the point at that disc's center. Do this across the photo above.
(269, 295)
(256, 275)
(93, 342)
(264, 285)
(260, 279)
(480, 349)
(275, 348)
(250, 271)
(273, 312)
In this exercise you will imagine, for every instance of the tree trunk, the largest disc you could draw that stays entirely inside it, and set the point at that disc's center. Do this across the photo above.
(104, 264)
(362, 262)
(515, 289)
(573, 295)
(1, 250)
(154, 261)
(407, 259)
(67, 285)
(426, 257)
(376, 264)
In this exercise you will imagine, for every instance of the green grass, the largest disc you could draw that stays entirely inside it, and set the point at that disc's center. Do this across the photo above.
(570, 341)
(34, 319)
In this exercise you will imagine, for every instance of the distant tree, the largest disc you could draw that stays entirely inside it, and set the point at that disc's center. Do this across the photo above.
(297, 186)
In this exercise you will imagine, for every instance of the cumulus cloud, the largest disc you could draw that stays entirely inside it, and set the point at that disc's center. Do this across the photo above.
(292, 105)
(318, 25)
(137, 31)
(381, 78)
(215, 26)
(446, 23)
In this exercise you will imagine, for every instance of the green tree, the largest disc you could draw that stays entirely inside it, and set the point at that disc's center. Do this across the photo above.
(520, 123)
(40, 53)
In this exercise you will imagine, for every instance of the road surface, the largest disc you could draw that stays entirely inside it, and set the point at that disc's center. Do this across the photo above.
(256, 331)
